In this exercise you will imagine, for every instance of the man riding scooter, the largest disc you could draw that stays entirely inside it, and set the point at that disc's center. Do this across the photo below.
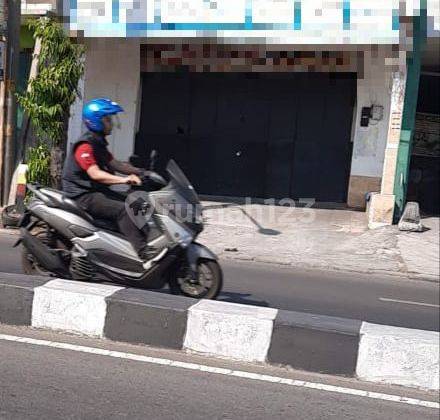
(90, 170)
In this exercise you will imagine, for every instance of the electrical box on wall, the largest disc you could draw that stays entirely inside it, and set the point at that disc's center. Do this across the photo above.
(365, 116)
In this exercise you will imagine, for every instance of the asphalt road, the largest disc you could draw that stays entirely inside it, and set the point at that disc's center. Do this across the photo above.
(380, 299)
(42, 382)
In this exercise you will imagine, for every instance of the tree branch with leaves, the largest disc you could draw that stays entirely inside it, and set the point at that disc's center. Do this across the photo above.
(54, 89)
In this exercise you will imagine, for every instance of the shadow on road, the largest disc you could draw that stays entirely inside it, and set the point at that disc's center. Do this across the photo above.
(241, 298)
(229, 297)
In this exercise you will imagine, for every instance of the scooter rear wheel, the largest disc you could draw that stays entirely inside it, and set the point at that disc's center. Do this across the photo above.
(29, 264)
(208, 284)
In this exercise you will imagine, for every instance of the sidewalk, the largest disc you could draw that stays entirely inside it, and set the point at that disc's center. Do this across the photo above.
(319, 239)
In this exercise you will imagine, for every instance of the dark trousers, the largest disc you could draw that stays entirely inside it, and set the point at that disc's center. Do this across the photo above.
(102, 206)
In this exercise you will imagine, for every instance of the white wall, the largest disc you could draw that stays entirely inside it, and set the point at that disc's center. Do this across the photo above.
(112, 69)
(369, 142)
(75, 124)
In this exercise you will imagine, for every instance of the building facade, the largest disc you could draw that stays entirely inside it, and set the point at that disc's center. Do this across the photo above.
(264, 98)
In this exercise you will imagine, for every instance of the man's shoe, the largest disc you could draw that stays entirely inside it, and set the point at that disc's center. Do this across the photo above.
(150, 256)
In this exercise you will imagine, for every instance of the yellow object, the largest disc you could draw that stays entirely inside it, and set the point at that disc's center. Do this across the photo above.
(21, 177)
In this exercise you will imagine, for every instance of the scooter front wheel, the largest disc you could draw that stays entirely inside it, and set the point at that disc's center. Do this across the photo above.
(207, 285)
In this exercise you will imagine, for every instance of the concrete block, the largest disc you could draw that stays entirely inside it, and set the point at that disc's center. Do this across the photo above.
(139, 316)
(410, 220)
(380, 210)
(315, 343)
(16, 296)
(241, 332)
(71, 306)
(399, 356)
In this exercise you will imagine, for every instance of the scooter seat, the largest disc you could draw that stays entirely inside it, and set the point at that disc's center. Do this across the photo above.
(59, 200)
(70, 205)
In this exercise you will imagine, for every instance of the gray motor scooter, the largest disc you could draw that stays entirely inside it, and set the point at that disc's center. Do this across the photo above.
(62, 240)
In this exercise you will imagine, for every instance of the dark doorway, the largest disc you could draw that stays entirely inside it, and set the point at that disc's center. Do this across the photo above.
(269, 135)
(424, 177)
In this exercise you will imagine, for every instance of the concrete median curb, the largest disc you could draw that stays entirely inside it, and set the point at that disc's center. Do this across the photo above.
(303, 341)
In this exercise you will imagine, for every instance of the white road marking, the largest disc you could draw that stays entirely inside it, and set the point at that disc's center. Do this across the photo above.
(410, 302)
(223, 371)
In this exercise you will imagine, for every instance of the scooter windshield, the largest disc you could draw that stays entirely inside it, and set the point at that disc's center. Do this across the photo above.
(181, 183)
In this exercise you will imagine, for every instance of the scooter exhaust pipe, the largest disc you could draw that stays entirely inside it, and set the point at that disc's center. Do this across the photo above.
(43, 254)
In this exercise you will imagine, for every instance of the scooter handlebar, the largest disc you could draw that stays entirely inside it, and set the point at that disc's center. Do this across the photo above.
(153, 176)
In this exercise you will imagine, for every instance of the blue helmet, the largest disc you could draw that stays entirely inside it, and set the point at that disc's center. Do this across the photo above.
(94, 110)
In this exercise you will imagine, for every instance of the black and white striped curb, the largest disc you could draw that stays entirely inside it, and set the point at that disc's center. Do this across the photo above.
(303, 341)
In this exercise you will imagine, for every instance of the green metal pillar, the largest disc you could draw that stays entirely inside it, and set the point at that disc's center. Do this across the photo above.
(409, 111)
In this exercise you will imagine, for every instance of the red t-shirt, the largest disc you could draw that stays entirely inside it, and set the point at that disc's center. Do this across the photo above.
(85, 158)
